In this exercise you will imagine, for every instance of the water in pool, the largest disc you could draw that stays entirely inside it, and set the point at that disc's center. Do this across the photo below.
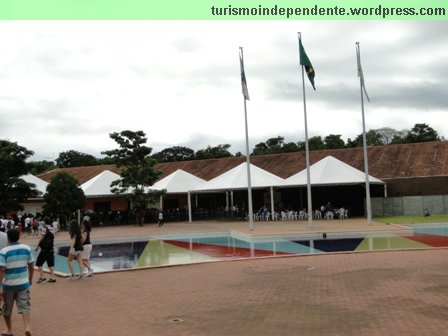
(188, 249)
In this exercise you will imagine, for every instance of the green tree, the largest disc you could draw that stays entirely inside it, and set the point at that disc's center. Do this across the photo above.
(13, 189)
(174, 154)
(39, 167)
(399, 137)
(138, 171)
(290, 147)
(64, 196)
(216, 152)
(74, 158)
(105, 161)
(316, 143)
(421, 133)
(372, 137)
(260, 149)
(275, 145)
(334, 141)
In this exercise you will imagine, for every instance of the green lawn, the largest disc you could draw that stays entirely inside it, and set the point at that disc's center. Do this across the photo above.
(412, 219)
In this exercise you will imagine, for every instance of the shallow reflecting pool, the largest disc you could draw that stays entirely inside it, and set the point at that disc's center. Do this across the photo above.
(188, 249)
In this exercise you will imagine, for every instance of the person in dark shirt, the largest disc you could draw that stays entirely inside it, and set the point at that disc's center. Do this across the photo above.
(46, 254)
(76, 249)
(87, 245)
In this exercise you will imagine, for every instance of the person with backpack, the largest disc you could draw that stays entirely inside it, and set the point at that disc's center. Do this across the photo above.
(46, 245)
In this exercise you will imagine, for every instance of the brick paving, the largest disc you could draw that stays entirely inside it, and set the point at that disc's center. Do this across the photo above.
(363, 293)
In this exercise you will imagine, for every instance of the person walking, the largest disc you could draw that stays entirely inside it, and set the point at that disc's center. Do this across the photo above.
(87, 245)
(160, 218)
(16, 274)
(46, 245)
(75, 251)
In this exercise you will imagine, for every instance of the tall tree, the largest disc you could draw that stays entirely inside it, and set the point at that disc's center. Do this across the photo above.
(372, 137)
(64, 196)
(138, 171)
(275, 145)
(13, 189)
(316, 143)
(105, 161)
(387, 134)
(74, 158)
(290, 147)
(260, 149)
(174, 154)
(216, 152)
(39, 167)
(422, 133)
(334, 141)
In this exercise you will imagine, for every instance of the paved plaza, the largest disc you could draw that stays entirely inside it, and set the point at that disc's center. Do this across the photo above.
(362, 293)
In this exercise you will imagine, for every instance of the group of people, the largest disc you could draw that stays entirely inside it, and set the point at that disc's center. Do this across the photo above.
(330, 212)
(17, 266)
(80, 248)
(28, 224)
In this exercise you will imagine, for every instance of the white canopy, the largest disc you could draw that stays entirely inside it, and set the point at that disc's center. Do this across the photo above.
(236, 178)
(41, 185)
(330, 171)
(179, 182)
(100, 184)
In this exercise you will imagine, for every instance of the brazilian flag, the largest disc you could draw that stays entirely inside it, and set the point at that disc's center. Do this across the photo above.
(305, 61)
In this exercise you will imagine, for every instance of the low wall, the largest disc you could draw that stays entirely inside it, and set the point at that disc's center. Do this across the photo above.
(409, 205)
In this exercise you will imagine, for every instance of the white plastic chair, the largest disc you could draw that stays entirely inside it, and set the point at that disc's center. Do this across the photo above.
(341, 213)
(284, 217)
(290, 215)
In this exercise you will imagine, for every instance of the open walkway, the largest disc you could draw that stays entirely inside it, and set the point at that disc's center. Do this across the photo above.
(363, 293)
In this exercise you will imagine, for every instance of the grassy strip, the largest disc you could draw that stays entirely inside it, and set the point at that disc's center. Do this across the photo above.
(412, 219)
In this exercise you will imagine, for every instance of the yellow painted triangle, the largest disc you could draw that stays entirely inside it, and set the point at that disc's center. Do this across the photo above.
(157, 253)
(384, 243)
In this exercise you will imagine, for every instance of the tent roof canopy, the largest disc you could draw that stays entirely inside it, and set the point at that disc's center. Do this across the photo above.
(330, 171)
(179, 182)
(100, 184)
(41, 185)
(236, 178)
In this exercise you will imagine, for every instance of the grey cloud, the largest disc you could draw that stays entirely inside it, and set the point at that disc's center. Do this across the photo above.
(187, 44)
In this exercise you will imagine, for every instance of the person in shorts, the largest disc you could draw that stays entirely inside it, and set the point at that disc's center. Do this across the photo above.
(87, 245)
(16, 274)
(75, 251)
(46, 245)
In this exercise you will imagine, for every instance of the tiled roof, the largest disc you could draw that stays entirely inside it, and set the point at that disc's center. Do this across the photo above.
(82, 174)
(385, 162)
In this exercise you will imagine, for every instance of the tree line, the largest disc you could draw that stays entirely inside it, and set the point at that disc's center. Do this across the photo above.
(64, 195)
(377, 137)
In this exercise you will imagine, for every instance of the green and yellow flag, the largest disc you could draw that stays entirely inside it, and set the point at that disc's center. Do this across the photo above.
(305, 61)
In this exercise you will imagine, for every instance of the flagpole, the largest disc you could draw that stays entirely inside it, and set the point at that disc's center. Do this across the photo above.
(250, 212)
(307, 154)
(364, 139)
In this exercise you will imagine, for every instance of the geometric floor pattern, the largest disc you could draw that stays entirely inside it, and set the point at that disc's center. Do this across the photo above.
(106, 257)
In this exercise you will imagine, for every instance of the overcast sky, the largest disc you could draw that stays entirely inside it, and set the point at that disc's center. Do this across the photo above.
(68, 84)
